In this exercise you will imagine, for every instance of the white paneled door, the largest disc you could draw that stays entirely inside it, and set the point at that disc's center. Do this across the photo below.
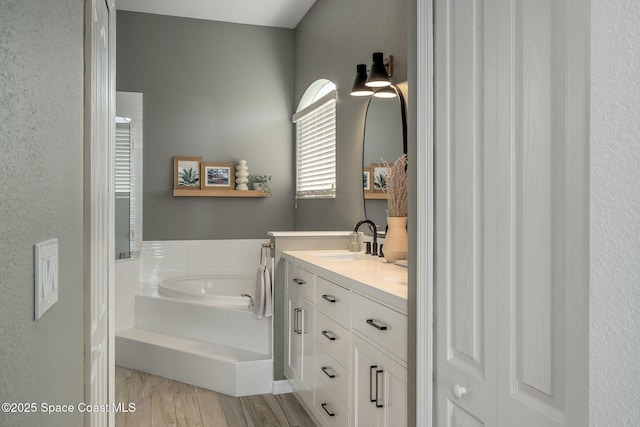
(99, 210)
(511, 197)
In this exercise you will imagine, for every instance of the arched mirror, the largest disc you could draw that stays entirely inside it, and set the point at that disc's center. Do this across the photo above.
(385, 139)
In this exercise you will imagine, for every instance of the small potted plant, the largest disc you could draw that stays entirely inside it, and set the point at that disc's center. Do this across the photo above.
(260, 183)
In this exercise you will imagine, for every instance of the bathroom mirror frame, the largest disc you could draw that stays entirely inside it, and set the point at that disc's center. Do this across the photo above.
(374, 202)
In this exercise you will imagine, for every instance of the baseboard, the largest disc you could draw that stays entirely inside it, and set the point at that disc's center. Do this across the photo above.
(281, 387)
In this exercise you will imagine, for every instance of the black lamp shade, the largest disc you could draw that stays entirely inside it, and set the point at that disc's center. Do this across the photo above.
(359, 88)
(385, 92)
(378, 76)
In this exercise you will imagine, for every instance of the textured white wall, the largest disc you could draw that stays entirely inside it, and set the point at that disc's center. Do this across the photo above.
(615, 214)
(41, 197)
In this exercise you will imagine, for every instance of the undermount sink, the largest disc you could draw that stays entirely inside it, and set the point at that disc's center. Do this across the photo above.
(337, 256)
(398, 280)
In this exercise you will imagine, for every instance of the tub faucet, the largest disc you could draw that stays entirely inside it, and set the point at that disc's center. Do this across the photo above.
(374, 230)
(250, 300)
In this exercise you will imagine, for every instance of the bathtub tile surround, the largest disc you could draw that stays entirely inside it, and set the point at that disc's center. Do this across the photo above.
(200, 341)
(178, 258)
(127, 286)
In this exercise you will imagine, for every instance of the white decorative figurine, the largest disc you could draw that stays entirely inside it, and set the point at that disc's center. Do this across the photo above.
(242, 175)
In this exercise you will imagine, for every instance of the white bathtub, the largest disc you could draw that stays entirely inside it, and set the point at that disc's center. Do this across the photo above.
(199, 330)
(222, 291)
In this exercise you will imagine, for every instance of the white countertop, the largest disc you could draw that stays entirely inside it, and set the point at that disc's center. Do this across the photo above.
(309, 233)
(367, 275)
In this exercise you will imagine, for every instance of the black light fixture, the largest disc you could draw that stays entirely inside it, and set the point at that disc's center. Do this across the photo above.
(359, 88)
(385, 92)
(378, 76)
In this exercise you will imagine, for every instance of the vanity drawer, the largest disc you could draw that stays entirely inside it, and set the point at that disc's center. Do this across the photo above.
(334, 338)
(331, 412)
(301, 281)
(334, 376)
(382, 325)
(334, 300)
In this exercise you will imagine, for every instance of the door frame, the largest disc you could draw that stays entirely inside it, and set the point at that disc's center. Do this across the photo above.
(89, 227)
(424, 165)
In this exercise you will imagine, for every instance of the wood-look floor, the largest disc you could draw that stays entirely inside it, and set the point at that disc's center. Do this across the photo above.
(163, 402)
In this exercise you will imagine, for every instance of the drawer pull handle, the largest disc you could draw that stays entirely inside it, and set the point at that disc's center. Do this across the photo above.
(297, 320)
(378, 404)
(331, 414)
(329, 335)
(377, 324)
(296, 327)
(299, 281)
(328, 372)
(374, 369)
(329, 298)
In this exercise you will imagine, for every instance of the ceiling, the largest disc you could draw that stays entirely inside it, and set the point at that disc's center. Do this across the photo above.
(270, 13)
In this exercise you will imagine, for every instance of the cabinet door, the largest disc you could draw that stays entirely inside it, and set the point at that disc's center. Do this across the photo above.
(379, 396)
(394, 398)
(307, 319)
(366, 371)
(293, 368)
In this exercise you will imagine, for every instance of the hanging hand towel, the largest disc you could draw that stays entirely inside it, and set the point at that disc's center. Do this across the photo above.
(268, 300)
(263, 305)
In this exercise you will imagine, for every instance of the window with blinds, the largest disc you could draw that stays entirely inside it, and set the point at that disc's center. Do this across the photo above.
(316, 147)
(123, 160)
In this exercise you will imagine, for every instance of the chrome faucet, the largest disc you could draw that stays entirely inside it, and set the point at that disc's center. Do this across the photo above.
(374, 230)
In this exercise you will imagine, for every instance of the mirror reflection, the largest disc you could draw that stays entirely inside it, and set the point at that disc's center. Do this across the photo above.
(385, 139)
(128, 175)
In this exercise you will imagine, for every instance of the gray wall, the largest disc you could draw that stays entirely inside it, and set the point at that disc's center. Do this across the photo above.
(331, 40)
(219, 91)
(41, 167)
(614, 377)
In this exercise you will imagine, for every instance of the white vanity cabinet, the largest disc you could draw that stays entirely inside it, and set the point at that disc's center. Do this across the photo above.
(346, 342)
(379, 352)
(299, 339)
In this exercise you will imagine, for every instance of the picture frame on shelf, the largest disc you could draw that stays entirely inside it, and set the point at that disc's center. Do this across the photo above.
(367, 180)
(219, 176)
(186, 173)
(379, 175)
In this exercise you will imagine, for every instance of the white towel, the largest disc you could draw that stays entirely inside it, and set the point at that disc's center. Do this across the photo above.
(263, 304)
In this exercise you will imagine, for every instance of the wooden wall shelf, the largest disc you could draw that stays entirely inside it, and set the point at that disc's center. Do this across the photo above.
(218, 193)
(375, 196)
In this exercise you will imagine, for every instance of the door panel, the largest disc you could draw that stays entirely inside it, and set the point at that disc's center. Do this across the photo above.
(542, 285)
(465, 308)
(458, 417)
(100, 210)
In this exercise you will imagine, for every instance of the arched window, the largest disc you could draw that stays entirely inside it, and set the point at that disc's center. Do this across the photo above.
(315, 121)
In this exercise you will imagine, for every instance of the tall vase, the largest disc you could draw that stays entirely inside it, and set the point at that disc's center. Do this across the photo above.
(396, 241)
(242, 174)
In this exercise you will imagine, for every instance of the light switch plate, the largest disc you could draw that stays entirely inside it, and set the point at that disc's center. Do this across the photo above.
(45, 263)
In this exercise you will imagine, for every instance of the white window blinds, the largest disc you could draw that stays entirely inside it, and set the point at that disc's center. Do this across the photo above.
(123, 160)
(316, 149)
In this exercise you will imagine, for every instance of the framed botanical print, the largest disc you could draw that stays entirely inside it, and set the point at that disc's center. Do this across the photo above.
(186, 173)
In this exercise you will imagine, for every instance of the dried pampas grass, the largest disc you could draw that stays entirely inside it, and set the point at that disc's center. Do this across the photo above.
(397, 187)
